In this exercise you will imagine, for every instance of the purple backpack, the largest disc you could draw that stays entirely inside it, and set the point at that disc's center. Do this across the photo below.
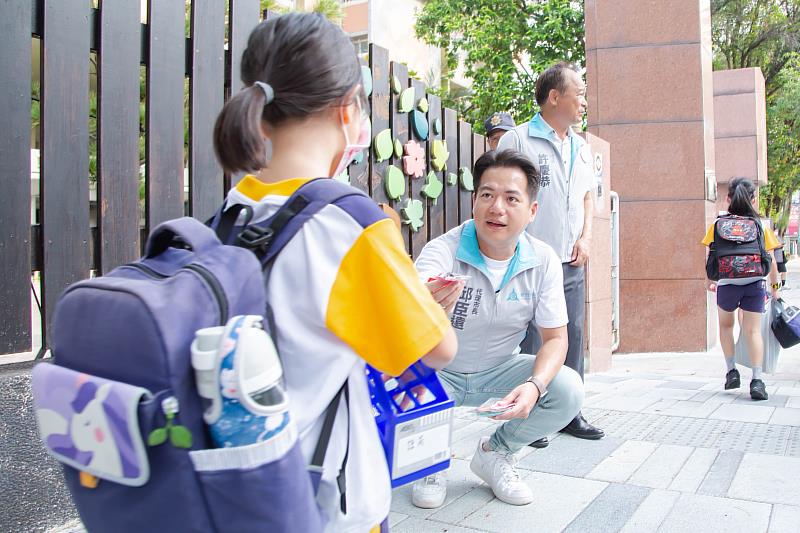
(119, 406)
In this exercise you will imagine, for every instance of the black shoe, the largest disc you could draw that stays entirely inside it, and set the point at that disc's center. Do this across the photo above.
(582, 429)
(541, 443)
(732, 380)
(758, 391)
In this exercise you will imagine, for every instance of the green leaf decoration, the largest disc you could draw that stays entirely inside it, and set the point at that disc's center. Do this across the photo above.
(452, 179)
(439, 154)
(413, 213)
(406, 102)
(383, 145)
(180, 437)
(157, 436)
(366, 79)
(419, 124)
(398, 148)
(422, 105)
(437, 126)
(433, 187)
(396, 85)
(466, 179)
(394, 182)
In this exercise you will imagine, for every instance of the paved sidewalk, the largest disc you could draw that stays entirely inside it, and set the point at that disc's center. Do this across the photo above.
(680, 454)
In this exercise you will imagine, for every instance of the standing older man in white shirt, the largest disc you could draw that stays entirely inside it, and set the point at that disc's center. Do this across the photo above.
(564, 221)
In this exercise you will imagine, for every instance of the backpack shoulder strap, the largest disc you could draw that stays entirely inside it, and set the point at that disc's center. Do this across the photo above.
(268, 238)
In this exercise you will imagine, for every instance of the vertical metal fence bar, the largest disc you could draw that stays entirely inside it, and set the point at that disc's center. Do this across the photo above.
(15, 176)
(379, 65)
(464, 162)
(205, 101)
(118, 134)
(435, 208)
(419, 237)
(449, 118)
(65, 151)
(166, 64)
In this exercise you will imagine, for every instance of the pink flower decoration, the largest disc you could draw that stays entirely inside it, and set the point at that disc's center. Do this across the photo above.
(414, 160)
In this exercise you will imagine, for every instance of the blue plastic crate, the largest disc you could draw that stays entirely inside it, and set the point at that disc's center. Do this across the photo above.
(415, 437)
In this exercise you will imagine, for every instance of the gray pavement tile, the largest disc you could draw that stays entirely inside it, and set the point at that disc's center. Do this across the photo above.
(694, 470)
(626, 403)
(789, 391)
(715, 515)
(570, 456)
(396, 518)
(601, 378)
(660, 406)
(786, 416)
(661, 467)
(691, 385)
(767, 478)
(460, 480)
(793, 402)
(419, 525)
(623, 462)
(703, 395)
(754, 438)
(775, 400)
(793, 444)
(610, 510)
(785, 519)
(558, 500)
(721, 474)
(743, 413)
(671, 394)
(460, 508)
(652, 511)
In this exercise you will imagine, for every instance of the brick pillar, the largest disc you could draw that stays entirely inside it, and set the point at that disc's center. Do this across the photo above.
(740, 128)
(598, 273)
(650, 96)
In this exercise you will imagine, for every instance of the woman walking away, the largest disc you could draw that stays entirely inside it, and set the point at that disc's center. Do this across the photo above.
(343, 290)
(740, 257)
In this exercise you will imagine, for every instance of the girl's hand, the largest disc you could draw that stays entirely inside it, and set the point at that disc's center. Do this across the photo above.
(711, 286)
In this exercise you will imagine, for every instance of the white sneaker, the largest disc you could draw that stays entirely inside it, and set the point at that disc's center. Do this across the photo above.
(430, 491)
(497, 470)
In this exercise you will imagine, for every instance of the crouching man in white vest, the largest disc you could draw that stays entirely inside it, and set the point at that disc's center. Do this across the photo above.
(513, 279)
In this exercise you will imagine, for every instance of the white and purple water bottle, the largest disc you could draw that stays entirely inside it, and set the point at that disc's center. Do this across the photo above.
(240, 377)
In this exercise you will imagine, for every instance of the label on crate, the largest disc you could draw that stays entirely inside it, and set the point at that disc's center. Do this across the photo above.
(429, 445)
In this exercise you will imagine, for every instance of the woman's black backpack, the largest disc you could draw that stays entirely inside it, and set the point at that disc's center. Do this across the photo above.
(738, 249)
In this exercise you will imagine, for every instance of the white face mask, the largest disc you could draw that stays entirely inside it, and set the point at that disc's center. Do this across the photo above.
(352, 150)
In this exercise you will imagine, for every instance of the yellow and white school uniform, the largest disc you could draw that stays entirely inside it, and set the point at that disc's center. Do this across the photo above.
(344, 292)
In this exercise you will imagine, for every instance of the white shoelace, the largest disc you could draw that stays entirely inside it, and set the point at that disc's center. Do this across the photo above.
(507, 470)
(434, 479)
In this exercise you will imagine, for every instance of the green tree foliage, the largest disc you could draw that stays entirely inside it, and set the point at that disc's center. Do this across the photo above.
(756, 33)
(766, 34)
(502, 45)
(783, 152)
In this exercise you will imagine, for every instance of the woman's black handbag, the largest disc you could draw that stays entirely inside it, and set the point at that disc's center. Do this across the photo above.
(786, 324)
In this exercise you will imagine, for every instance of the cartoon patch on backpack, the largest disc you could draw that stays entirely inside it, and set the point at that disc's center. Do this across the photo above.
(91, 423)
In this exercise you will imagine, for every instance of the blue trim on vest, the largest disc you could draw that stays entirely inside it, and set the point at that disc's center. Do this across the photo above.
(539, 129)
(469, 252)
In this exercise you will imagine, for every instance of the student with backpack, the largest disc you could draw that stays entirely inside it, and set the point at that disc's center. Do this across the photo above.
(343, 291)
(740, 258)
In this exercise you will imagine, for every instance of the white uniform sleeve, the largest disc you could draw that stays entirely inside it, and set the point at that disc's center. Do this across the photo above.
(509, 140)
(434, 259)
(551, 307)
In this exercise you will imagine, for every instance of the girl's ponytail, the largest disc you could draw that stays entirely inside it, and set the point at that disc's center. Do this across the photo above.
(741, 193)
(238, 140)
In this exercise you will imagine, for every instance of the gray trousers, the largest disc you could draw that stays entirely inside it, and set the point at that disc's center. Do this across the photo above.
(562, 402)
(575, 294)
